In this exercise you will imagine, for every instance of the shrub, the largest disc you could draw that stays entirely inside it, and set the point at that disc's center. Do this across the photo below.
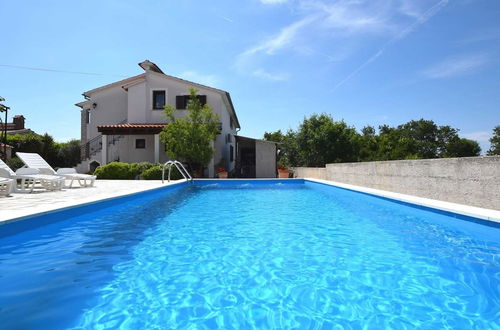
(14, 163)
(154, 173)
(115, 171)
(139, 168)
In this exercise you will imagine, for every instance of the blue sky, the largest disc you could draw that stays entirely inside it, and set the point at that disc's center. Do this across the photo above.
(368, 62)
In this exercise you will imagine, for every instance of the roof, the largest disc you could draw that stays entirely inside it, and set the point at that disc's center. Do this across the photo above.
(151, 67)
(116, 83)
(131, 129)
(239, 137)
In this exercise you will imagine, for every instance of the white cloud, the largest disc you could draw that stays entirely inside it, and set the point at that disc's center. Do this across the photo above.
(279, 41)
(456, 66)
(351, 17)
(261, 73)
(427, 15)
(343, 23)
(209, 80)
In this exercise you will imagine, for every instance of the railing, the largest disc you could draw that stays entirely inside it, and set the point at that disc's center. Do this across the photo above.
(185, 174)
(94, 145)
(91, 147)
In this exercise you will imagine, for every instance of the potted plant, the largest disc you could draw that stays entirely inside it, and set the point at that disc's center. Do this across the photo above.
(222, 173)
(283, 172)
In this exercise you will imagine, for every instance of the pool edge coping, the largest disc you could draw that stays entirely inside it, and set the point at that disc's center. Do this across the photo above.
(461, 209)
(85, 203)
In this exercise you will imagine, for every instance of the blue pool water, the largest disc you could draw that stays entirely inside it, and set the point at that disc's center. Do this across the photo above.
(249, 254)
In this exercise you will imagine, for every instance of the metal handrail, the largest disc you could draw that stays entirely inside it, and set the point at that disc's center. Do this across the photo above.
(185, 174)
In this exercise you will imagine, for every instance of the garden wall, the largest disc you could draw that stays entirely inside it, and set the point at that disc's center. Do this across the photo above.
(470, 180)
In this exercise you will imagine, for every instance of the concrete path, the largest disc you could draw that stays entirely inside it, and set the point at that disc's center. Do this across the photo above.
(40, 201)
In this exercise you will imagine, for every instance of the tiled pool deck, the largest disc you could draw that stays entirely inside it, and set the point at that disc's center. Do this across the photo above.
(40, 201)
(22, 204)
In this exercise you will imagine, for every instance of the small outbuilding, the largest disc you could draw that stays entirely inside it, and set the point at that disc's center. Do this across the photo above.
(255, 158)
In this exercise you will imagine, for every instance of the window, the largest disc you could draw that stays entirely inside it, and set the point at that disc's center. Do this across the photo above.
(140, 143)
(159, 100)
(231, 153)
(87, 116)
(181, 101)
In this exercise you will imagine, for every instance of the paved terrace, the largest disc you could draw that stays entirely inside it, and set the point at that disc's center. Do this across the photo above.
(40, 201)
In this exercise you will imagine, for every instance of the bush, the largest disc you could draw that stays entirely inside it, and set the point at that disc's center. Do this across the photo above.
(115, 171)
(15, 163)
(154, 173)
(139, 168)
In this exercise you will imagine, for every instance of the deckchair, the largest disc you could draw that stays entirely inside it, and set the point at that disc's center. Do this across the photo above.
(6, 186)
(32, 160)
(29, 177)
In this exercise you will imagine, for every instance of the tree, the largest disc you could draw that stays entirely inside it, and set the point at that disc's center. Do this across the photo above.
(287, 147)
(462, 148)
(495, 142)
(321, 140)
(68, 153)
(190, 138)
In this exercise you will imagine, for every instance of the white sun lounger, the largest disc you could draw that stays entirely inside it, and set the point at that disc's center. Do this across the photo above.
(6, 186)
(32, 160)
(28, 177)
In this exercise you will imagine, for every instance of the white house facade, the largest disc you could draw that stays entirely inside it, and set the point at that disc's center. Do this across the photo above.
(121, 121)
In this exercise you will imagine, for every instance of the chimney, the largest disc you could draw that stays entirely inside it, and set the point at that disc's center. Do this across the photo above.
(18, 122)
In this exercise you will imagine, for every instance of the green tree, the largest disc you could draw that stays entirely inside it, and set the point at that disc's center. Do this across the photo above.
(461, 147)
(190, 138)
(287, 147)
(368, 144)
(68, 153)
(495, 142)
(321, 140)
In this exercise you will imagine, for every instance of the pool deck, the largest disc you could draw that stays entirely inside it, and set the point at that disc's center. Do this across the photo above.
(19, 205)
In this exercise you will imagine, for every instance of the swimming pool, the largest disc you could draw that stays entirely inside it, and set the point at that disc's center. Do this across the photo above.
(241, 254)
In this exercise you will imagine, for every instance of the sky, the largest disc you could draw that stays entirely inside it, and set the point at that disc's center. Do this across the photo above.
(367, 62)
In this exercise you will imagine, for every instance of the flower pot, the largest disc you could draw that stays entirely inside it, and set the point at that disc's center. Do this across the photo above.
(222, 175)
(283, 174)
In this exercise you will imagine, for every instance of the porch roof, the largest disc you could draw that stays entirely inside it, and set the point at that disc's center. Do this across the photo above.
(131, 129)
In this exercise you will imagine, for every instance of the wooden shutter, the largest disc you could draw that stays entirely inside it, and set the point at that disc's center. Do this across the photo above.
(179, 102)
(202, 99)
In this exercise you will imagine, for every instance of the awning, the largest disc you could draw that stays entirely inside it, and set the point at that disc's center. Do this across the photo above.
(131, 129)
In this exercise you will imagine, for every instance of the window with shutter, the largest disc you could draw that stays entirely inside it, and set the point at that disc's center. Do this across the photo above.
(181, 101)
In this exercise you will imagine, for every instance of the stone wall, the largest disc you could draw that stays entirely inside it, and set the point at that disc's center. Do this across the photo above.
(470, 180)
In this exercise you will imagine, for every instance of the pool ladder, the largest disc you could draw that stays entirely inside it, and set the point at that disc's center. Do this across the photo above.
(178, 165)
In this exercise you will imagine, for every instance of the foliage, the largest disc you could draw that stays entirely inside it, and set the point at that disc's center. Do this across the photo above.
(139, 168)
(155, 173)
(462, 148)
(152, 173)
(495, 142)
(66, 154)
(320, 140)
(126, 171)
(15, 163)
(115, 171)
(190, 138)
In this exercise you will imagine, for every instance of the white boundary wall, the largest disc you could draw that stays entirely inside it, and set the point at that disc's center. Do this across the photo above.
(470, 180)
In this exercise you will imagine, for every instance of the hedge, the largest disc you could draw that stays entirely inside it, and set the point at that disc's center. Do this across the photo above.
(126, 171)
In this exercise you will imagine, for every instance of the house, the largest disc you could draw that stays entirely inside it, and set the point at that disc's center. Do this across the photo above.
(16, 127)
(121, 121)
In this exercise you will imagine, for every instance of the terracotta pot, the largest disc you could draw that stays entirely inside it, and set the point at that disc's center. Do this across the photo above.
(283, 174)
(222, 175)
